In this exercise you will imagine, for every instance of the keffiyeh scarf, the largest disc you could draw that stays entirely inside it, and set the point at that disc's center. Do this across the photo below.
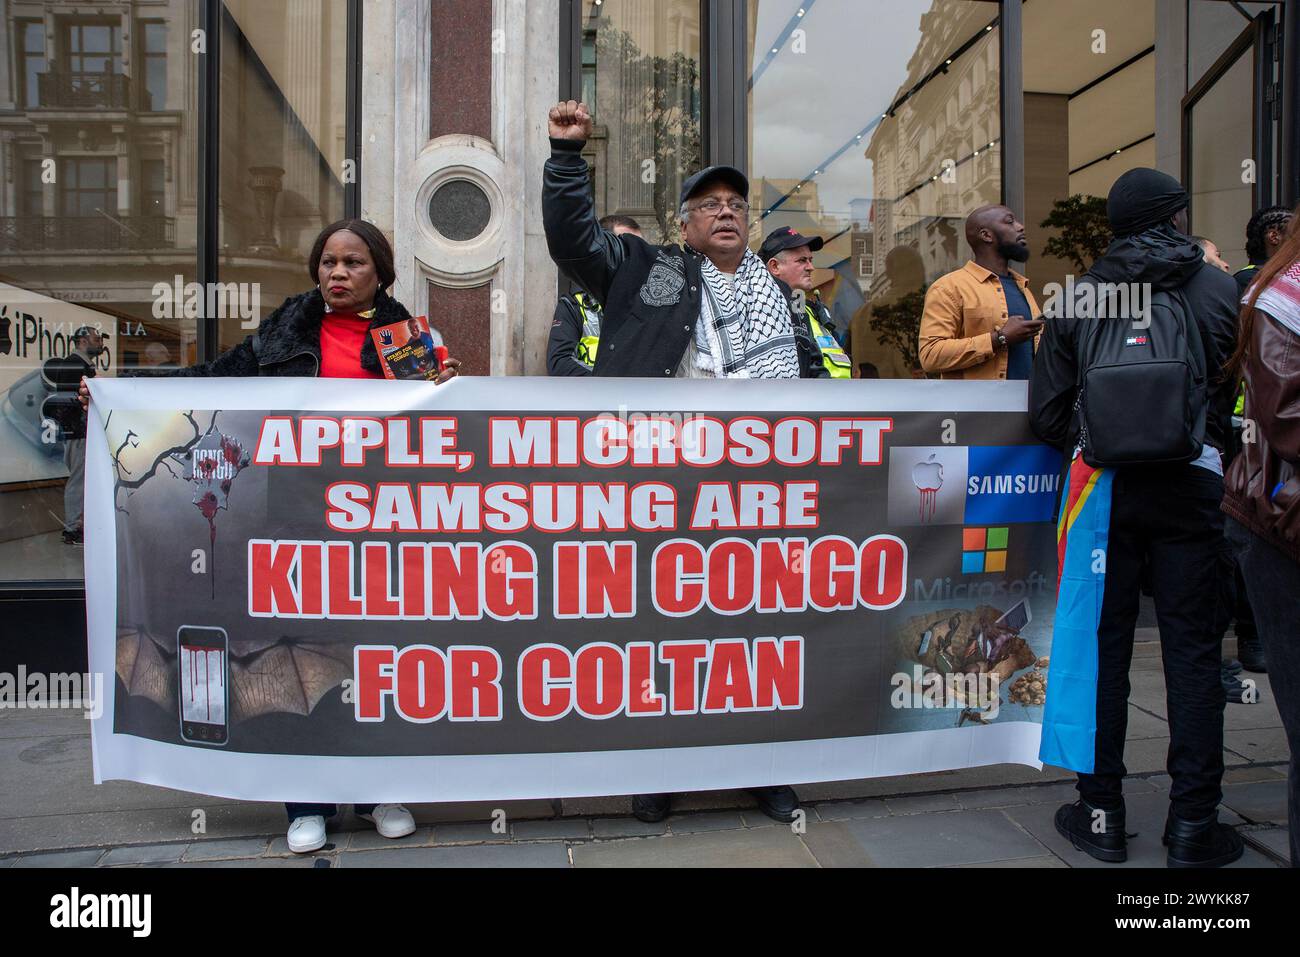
(1281, 299)
(747, 326)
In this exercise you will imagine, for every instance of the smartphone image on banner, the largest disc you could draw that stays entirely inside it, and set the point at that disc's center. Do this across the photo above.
(204, 687)
(1016, 617)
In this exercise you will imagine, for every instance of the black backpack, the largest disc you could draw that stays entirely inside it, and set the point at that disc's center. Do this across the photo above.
(1143, 393)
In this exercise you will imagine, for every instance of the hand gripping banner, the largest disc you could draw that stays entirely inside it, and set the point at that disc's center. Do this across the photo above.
(375, 591)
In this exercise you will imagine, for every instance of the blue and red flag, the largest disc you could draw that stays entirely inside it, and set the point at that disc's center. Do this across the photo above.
(1070, 711)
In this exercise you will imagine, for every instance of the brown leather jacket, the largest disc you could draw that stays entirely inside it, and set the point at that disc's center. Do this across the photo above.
(1262, 487)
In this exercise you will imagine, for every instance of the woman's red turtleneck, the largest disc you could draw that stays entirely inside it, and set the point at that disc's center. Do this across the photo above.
(342, 335)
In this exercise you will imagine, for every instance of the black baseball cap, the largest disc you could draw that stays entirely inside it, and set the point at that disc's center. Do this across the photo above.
(787, 237)
(728, 174)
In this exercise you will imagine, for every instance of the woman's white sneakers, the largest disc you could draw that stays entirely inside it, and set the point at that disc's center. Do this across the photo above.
(307, 834)
(391, 820)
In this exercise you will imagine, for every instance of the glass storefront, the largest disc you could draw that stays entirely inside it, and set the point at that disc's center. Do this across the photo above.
(876, 126)
(640, 69)
(284, 87)
(100, 211)
(1109, 86)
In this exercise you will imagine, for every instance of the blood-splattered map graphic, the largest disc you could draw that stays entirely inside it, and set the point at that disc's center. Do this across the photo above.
(211, 466)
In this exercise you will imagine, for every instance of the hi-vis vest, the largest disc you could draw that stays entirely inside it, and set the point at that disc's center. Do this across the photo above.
(590, 311)
(833, 357)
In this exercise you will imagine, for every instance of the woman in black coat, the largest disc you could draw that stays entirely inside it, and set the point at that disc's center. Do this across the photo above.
(326, 332)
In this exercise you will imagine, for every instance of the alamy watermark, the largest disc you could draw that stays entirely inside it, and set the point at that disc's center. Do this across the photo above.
(646, 430)
(38, 690)
(214, 300)
(924, 688)
(1098, 300)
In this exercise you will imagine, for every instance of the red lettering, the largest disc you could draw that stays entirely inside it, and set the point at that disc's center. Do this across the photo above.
(342, 602)
(611, 581)
(831, 565)
(729, 680)
(379, 604)
(882, 574)
(372, 666)
(731, 576)
(475, 684)
(642, 698)
(600, 680)
(678, 578)
(271, 579)
(780, 586)
(421, 683)
(683, 658)
(545, 679)
(778, 672)
(455, 575)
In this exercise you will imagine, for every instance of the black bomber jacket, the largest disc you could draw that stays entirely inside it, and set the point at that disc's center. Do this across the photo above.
(651, 294)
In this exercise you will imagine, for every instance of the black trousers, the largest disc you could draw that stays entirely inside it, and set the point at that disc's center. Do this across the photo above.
(296, 811)
(1167, 518)
(1273, 580)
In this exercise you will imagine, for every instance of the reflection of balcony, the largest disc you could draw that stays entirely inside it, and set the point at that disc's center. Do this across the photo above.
(83, 90)
(71, 233)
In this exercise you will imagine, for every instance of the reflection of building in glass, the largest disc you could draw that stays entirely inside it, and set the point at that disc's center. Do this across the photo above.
(641, 69)
(98, 133)
(864, 255)
(938, 156)
(101, 194)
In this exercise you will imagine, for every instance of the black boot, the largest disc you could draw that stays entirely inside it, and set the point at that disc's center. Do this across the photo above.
(1234, 689)
(1107, 842)
(1204, 843)
(651, 808)
(1251, 653)
(778, 802)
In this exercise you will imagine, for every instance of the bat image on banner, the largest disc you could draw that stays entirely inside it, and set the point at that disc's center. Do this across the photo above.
(420, 592)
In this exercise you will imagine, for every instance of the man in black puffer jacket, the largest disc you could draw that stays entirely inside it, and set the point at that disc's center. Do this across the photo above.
(1164, 517)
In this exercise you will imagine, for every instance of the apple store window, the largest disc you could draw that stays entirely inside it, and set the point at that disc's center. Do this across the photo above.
(640, 74)
(1168, 84)
(874, 125)
(103, 209)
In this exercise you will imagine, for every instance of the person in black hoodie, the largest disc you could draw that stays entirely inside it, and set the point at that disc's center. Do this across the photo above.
(1166, 516)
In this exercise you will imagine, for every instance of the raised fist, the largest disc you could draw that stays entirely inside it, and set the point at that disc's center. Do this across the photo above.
(570, 120)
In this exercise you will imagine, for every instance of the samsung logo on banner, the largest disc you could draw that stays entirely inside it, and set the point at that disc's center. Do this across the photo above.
(1008, 484)
(1012, 483)
(75, 910)
(972, 485)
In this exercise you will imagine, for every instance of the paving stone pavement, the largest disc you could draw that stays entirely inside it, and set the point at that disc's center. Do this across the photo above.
(1001, 816)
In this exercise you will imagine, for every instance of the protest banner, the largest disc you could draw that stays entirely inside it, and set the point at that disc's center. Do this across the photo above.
(395, 591)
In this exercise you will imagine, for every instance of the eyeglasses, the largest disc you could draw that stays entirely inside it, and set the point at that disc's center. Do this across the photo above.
(713, 207)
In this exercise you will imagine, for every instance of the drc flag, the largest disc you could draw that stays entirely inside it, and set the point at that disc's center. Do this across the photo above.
(1070, 711)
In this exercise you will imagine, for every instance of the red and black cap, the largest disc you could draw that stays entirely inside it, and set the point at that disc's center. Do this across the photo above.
(787, 237)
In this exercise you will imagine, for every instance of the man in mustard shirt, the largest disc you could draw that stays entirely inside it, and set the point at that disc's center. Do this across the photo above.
(981, 321)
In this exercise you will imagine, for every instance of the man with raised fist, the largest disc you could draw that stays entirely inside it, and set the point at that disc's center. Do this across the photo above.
(708, 308)
(705, 309)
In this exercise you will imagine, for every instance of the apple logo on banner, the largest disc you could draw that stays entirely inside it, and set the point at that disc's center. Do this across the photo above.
(928, 476)
(927, 485)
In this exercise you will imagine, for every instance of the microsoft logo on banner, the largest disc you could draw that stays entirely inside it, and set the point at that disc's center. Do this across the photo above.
(984, 550)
